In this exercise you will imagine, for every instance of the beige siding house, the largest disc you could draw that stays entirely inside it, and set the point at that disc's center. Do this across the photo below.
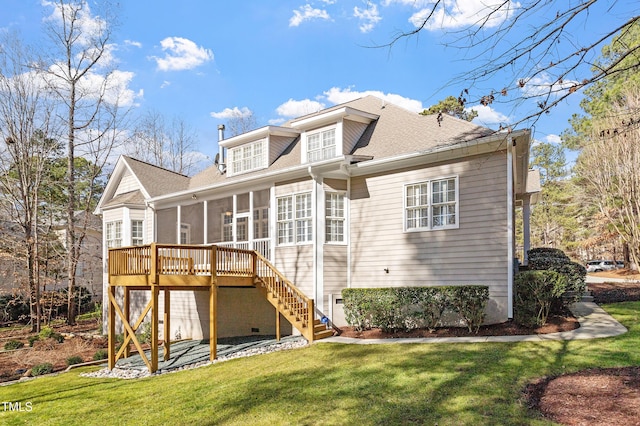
(363, 194)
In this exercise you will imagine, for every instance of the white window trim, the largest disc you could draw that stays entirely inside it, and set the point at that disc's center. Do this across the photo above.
(113, 236)
(141, 238)
(332, 218)
(185, 228)
(226, 227)
(251, 168)
(430, 204)
(337, 143)
(294, 219)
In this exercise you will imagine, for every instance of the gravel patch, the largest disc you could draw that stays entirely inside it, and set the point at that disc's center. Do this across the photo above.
(251, 347)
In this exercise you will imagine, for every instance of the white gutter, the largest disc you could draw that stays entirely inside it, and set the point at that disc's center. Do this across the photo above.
(454, 146)
(302, 170)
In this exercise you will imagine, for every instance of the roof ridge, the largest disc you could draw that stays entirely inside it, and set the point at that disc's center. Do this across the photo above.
(155, 166)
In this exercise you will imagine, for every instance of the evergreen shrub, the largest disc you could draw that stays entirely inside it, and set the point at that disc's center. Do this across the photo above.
(535, 292)
(544, 258)
(41, 369)
(13, 345)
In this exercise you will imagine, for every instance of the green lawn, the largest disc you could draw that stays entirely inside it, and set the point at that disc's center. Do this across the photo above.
(447, 384)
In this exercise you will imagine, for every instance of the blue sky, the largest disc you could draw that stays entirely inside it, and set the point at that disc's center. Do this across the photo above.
(201, 59)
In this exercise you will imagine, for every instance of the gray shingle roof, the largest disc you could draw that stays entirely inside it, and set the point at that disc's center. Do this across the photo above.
(156, 180)
(133, 197)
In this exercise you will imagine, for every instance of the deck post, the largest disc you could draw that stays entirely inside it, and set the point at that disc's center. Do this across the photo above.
(153, 272)
(277, 324)
(213, 305)
(127, 316)
(166, 344)
(213, 322)
(310, 316)
(112, 329)
(155, 291)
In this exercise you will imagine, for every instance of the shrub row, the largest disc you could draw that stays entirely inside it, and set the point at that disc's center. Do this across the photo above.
(406, 308)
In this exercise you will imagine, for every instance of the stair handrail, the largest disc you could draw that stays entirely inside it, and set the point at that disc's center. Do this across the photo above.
(305, 306)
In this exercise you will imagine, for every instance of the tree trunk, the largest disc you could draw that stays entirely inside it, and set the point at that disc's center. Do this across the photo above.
(71, 240)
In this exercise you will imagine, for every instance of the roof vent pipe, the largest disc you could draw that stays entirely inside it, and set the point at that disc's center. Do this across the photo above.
(221, 160)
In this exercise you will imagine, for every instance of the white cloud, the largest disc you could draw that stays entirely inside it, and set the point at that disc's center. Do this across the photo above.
(181, 54)
(276, 121)
(133, 43)
(543, 84)
(455, 14)
(488, 116)
(307, 13)
(337, 95)
(415, 3)
(369, 17)
(116, 87)
(234, 112)
(293, 108)
(165, 83)
(554, 139)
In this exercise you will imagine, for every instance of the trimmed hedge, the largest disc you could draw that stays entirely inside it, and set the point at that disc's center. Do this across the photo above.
(535, 293)
(556, 260)
(406, 308)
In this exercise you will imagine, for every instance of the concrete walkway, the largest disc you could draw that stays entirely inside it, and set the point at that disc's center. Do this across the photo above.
(594, 323)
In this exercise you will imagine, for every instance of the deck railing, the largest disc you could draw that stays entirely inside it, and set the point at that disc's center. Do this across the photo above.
(173, 259)
(130, 260)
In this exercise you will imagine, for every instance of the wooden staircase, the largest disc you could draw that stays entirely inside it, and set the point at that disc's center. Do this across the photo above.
(288, 300)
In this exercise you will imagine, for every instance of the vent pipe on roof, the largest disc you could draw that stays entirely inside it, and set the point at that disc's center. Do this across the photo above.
(221, 160)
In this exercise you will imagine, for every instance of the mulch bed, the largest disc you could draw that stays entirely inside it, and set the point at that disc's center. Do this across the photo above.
(600, 396)
(615, 292)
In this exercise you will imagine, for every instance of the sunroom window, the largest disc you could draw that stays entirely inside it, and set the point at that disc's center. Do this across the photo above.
(114, 234)
(295, 219)
(137, 232)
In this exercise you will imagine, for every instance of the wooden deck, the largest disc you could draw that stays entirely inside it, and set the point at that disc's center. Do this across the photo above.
(167, 267)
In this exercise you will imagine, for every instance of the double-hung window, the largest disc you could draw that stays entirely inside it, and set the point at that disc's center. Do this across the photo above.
(185, 233)
(248, 157)
(227, 226)
(295, 220)
(335, 218)
(431, 204)
(321, 145)
(114, 234)
(137, 233)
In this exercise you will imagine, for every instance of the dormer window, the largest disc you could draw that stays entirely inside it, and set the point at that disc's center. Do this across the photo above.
(321, 145)
(248, 157)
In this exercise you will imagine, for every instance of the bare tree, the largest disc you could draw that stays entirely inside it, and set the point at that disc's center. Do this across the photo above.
(26, 124)
(240, 122)
(608, 171)
(168, 146)
(79, 73)
(181, 144)
(524, 45)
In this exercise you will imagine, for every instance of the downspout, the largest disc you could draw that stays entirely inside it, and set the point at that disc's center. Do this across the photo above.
(318, 288)
(510, 258)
